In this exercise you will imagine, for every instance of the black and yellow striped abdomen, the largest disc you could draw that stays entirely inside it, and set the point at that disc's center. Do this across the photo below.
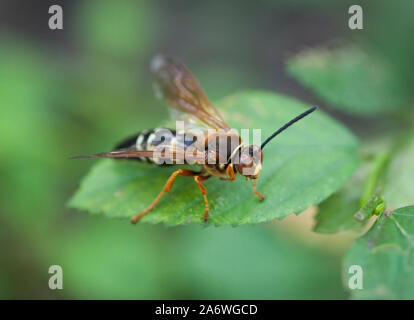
(150, 139)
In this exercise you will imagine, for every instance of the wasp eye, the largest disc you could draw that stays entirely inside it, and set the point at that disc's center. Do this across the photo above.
(251, 151)
(254, 153)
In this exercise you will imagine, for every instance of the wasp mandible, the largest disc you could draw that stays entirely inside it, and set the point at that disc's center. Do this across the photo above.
(219, 152)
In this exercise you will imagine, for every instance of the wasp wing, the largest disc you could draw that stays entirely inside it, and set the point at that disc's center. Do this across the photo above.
(121, 153)
(181, 90)
(166, 154)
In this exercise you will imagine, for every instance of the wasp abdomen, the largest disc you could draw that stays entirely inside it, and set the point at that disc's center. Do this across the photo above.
(149, 140)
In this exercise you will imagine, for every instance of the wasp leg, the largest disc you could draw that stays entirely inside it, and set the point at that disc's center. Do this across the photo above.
(167, 187)
(230, 173)
(199, 180)
(261, 197)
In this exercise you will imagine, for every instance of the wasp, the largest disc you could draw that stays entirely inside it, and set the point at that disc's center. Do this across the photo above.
(213, 146)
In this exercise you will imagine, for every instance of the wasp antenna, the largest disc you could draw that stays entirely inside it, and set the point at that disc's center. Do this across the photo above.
(287, 125)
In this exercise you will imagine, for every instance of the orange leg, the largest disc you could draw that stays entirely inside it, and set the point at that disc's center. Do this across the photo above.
(230, 173)
(199, 180)
(167, 188)
(261, 197)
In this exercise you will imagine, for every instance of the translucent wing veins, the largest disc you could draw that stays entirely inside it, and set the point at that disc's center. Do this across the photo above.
(181, 90)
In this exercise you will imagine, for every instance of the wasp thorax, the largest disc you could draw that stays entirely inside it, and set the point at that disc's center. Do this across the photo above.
(250, 161)
(223, 143)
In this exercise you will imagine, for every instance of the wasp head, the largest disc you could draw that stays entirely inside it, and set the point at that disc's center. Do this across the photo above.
(250, 161)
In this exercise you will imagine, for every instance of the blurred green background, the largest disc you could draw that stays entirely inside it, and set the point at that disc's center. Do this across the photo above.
(84, 88)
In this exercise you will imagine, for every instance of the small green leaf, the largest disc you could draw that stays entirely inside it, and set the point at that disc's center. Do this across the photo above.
(303, 166)
(374, 206)
(349, 79)
(386, 257)
(379, 209)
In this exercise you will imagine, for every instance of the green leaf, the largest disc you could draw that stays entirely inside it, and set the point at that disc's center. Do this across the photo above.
(399, 185)
(386, 257)
(349, 79)
(303, 166)
(374, 206)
